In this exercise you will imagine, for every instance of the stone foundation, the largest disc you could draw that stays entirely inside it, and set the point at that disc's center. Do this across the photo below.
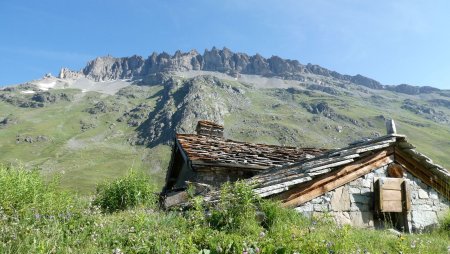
(353, 203)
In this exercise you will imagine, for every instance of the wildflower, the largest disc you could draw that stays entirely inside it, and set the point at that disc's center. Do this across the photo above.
(117, 251)
(329, 244)
(262, 234)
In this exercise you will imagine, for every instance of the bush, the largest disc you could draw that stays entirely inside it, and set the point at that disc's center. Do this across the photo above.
(23, 192)
(130, 191)
(237, 209)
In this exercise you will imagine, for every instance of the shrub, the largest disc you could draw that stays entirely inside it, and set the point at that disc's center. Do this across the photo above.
(24, 192)
(130, 191)
(237, 209)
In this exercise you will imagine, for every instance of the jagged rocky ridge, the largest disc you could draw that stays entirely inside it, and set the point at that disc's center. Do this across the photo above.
(224, 61)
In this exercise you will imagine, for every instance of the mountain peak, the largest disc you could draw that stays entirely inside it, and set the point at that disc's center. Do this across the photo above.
(224, 61)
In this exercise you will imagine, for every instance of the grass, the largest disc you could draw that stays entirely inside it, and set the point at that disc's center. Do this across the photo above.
(82, 159)
(36, 217)
(128, 192)
(273, 116)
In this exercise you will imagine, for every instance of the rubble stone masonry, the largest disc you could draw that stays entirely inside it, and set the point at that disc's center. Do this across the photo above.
(353, 203)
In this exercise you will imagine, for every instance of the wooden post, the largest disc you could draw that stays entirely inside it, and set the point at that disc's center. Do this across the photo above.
(406, 196)
(406, 200)
(378, 195)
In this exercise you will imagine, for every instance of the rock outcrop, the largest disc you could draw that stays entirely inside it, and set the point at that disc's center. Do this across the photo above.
(183, 103)
(412, 90)
(66, 73)
(425, 111)
(224, 61)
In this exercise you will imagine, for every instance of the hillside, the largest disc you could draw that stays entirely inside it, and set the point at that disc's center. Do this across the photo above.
(119, 113)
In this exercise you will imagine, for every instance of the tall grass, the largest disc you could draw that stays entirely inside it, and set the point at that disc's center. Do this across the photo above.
(36, 217)
(127, 192)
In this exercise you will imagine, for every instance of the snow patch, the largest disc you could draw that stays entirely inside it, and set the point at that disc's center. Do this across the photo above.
(46, 85)
(27, 92)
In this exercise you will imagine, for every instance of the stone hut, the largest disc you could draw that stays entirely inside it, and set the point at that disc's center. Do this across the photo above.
(208, 159)
(370, 183)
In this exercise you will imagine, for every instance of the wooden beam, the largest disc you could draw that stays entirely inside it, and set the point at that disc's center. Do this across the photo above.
(414, 163)
(358, 170)
(321, 180)
(406, 196)
(294, 177)
(423, 174)
(378, 195)
(277, 188)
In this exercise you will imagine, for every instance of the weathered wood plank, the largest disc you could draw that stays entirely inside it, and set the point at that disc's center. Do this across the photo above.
(406, 196)
(334, 175)
(368, 144)
(273, 189)
(175, 199)
(371, 148)
(358, 171)
(391, 195)
(284, 178)
(427, 166)
(391, 183)
(424, 175)
(378, 195)
(392, 206)
(292, 170)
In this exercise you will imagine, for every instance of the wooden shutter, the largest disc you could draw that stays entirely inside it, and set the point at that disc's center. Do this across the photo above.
(392, 195)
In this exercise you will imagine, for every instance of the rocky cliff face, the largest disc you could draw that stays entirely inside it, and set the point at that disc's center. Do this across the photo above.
(224, 61)
(183, 103)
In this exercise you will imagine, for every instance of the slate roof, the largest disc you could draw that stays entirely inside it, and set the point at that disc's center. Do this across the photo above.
(392, 147)
(210, 150)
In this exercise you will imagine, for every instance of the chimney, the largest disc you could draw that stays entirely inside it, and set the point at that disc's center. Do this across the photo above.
(390, 127)
(208, 128)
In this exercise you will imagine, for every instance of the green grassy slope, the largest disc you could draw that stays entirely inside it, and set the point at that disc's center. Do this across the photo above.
(82, 157)
(85, 143)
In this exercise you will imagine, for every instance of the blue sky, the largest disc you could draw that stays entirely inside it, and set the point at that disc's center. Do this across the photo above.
(394, 41)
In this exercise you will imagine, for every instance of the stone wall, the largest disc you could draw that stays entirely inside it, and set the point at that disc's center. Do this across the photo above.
(353, 203)
(427, 206)
(216, 176)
